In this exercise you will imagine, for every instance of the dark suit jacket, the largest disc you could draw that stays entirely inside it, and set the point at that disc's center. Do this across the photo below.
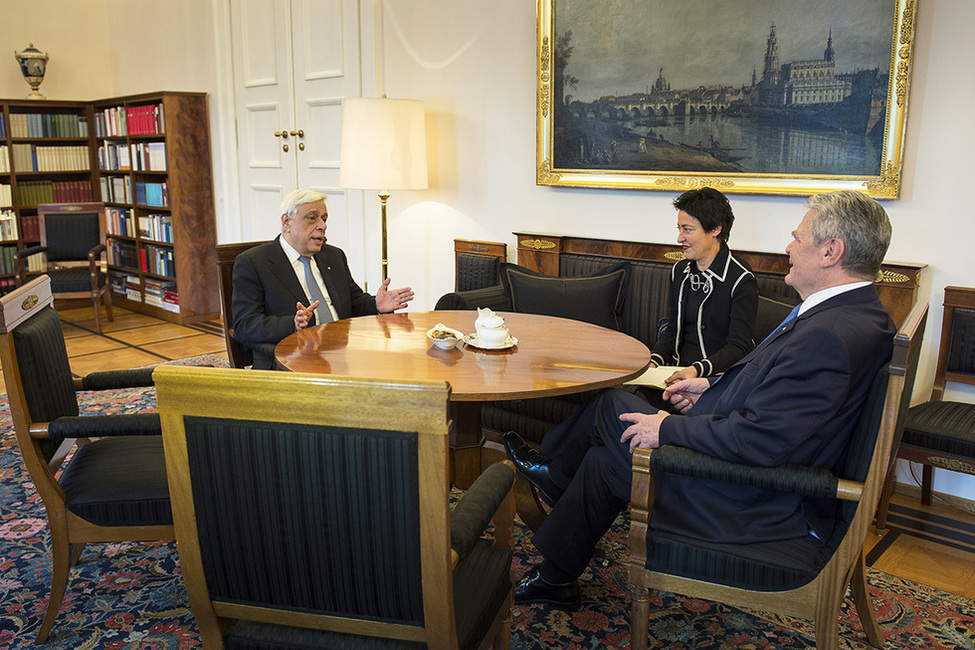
(793, 399)
(266, 290)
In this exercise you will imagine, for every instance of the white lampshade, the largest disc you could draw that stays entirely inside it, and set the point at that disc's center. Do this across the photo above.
(384, 144)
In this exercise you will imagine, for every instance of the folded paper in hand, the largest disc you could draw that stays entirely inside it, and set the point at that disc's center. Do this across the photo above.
(654, 377)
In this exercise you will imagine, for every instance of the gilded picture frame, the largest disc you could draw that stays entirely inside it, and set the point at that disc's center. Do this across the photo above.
(763, 97)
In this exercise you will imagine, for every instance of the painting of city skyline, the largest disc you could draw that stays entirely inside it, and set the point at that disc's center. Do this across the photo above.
(760, 96)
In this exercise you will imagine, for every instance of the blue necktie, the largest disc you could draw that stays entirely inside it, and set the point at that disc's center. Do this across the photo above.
(788, 319)
(323, 314)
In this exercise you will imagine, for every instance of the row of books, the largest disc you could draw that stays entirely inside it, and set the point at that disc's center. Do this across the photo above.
(6, 196)
(159, 293)
(116, 189)
(4, 158)
(145, 120)
(7, 259)
(134, 120)
(162, 293)
(119, 221)
(149, 156)
(122, 253)
(36, 192)
(157, 260)
(154, 194)
(114, 156)
(46, 158)
(7, 285)
(143, 156)
(157, 227)
(8, 225)
(30, 227)
(48, 125)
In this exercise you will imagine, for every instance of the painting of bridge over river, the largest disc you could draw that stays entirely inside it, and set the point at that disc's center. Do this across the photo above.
(763, 96)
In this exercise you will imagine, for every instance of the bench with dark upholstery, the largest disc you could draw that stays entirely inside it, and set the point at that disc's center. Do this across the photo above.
(643, 304)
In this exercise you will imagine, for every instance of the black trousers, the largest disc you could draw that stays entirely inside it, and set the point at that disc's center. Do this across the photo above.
(595, 468)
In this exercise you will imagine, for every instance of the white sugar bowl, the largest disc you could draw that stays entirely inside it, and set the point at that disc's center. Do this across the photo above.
(491, 330)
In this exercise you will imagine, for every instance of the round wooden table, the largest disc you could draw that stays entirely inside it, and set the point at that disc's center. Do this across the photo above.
(553, 356)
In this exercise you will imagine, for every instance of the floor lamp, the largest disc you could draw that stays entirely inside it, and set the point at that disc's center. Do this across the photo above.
(383, 148)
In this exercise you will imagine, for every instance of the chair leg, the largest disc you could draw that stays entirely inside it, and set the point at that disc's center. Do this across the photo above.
(861, 598)
(927, 479)
(76, 550)
(98, 313)
(107, 299)
(639, 617)
(60, 566)
(885, 496)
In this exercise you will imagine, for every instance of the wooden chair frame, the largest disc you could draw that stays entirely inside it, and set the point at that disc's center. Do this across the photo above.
(332, 401)
(955, 298)
(820, 599)
(69, 532)
(93, 262)
(226, 255)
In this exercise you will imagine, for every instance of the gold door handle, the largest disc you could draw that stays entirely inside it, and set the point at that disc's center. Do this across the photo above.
(300, 133)
(281, 134)
(285, 147)
(301, 146)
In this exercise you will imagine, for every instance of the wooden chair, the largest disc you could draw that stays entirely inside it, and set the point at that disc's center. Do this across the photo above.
(787, 577)
(301, 515)
(72, 242)
(226, 255)
(477, 264)
(113, 489)
(941, 433)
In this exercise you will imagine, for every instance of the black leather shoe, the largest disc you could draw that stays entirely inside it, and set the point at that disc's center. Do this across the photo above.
(532, 466)
(532, 589)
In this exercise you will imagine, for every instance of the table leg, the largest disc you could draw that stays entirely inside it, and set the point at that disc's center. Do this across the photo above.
(465, 443)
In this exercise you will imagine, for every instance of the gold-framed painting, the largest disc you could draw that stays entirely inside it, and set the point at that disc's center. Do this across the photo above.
(762, 97)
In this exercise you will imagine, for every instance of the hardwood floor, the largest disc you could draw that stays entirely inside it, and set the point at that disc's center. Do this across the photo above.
(932, 545)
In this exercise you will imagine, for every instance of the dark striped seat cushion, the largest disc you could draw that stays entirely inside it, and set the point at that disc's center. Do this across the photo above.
(948, 427)
(70, 280)
(768, 566)
(119, 482)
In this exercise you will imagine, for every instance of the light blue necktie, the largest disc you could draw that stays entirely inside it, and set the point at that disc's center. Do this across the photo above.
(323, 314)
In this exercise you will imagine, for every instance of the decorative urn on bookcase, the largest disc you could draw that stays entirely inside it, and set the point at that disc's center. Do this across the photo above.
(33, 65)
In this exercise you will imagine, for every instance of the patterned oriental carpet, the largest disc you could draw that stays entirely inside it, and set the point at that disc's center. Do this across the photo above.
(128, 596)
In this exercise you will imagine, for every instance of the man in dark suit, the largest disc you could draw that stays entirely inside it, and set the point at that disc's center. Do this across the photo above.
(278, 290)
(794, 399)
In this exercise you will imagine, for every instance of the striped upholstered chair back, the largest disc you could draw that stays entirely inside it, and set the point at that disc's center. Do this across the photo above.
(313, 511)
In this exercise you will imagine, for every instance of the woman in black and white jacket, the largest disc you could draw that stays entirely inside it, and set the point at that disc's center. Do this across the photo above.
(713, 294)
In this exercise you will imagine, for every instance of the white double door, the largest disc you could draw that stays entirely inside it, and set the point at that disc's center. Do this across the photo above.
(294, 62)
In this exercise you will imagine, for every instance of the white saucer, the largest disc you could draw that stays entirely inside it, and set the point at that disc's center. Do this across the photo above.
(474, 342)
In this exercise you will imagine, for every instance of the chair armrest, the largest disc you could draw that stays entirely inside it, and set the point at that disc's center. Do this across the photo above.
(100, 426)
(96, 251)
(106, 379)
(472, 514)
(807, 481)
(30, 250)
(490, 297)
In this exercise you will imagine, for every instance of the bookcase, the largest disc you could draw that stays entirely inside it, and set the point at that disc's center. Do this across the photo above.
(147, 158)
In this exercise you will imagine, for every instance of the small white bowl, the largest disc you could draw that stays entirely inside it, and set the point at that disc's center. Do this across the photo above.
(446, 343)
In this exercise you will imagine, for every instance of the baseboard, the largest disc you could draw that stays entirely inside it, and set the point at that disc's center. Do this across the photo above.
(914, 491)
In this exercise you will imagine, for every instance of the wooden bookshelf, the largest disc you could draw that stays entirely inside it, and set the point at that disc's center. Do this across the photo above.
(147, 158)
